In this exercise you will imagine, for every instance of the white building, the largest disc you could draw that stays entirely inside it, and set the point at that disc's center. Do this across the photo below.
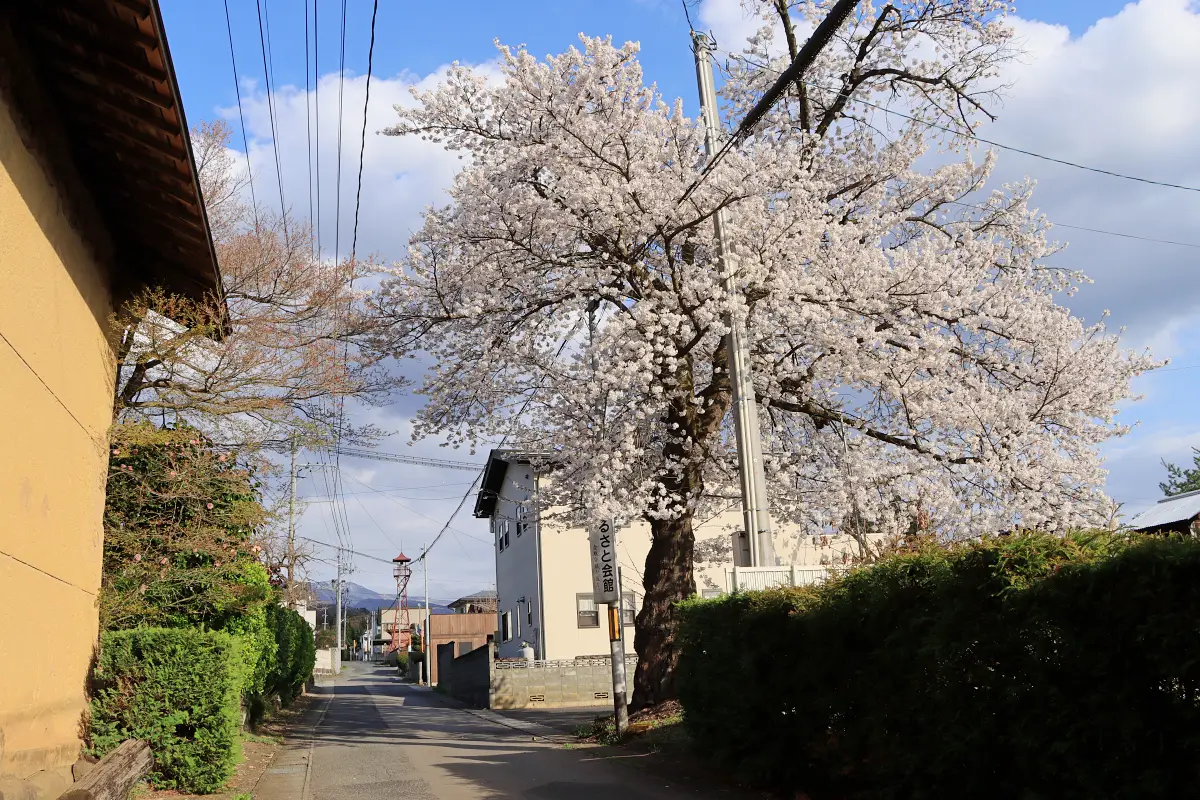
(543, 567)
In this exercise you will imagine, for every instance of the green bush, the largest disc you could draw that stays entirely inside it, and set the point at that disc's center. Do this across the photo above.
(402, 663)
(1028, 666)
(179, 689)
(296, 653)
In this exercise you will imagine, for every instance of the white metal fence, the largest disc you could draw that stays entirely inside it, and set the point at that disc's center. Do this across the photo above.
(745, 579)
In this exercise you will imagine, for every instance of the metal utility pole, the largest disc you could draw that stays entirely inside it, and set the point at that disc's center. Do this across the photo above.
(425, 638)
(755, 511)
(616, 644)
(291, 541)
(607, 588)
(337, 619)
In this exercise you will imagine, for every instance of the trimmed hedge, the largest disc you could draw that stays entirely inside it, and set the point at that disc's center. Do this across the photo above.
(1028, 666)
(177, 688)
(296, 653)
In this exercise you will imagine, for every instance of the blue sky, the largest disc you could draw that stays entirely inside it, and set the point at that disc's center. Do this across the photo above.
(1104, 83)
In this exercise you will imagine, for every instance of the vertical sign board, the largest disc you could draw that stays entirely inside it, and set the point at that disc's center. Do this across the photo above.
(603, 538)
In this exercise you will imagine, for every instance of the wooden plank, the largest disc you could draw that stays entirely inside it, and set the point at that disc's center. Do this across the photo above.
(115, 775)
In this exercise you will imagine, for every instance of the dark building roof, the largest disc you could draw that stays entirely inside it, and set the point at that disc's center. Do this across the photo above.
(96, 77)
(486, 596)
(493, 480)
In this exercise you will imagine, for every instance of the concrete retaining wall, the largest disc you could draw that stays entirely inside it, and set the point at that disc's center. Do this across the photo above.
(478, 680)
(549, 684)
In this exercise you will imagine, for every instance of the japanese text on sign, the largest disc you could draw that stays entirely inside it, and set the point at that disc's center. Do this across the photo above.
(603, 537)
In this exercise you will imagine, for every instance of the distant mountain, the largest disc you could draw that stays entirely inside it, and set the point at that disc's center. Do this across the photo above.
(359, 596)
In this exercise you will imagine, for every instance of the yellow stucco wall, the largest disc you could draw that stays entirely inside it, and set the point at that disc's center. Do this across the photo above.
(55, 405)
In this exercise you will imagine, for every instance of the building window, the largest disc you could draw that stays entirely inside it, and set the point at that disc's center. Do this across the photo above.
(628, 608)
(506, 626)
(529, 612)
(502, 527)
(709, 594)
(522, 513)
(517, 622)
(586, 612)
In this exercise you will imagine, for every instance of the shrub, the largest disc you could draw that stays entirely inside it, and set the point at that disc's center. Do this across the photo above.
(296, 653)
(1029, 666)
(178, 689)
(180, 516)
(402, 663)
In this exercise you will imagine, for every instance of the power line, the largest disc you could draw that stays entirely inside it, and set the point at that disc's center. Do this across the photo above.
(317, 116)
(337, 217)
(362, 148)
(504, 440)
(413, 510)
(992, 143)
(241, 115)
(1091, 230)
(267, 70)
(308, 127)
(708, 167)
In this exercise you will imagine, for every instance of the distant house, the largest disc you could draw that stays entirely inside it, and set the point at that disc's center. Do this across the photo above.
(99, 198)
(478, 603)
(1177, 514)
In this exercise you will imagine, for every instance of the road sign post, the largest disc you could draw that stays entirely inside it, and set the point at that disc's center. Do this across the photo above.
(606, 587)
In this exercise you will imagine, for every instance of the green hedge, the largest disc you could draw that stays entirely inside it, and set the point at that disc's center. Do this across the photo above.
(296, 653)
(1025, 667)
(177, 688)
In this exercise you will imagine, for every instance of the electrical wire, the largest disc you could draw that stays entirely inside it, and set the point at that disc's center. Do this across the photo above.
(337, 217)
(317, 118)
(362, 148)
(711, 163)
(308, 128)
(241, 115)
(503, 441)
(267, 71)
(413, 510)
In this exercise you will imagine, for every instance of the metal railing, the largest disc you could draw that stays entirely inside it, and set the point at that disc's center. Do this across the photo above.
(745, 579)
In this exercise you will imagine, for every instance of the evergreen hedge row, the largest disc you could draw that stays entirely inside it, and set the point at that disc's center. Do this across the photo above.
(296, 653)
(1028, 666)
(180, 690)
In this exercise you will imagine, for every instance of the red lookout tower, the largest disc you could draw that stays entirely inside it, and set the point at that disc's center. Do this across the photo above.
(401, 624)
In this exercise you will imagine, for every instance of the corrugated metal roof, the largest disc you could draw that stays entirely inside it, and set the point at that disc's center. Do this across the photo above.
(1169, 510)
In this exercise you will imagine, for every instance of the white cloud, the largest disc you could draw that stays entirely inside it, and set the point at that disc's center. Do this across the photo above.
(400, 175)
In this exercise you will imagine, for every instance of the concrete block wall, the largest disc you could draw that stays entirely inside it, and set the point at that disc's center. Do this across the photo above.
(550, 684)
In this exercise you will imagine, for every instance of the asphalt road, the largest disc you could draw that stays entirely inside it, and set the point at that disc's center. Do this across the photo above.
(375, 737)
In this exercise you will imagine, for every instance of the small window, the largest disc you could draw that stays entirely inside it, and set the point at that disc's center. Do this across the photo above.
(517, 622)
(709, 594)
(522, 513)
(628, 608)
(506, 626)
(529, 613)
(502, 534)
(586, 611)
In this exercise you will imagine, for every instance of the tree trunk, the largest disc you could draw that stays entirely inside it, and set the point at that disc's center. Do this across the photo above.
(668, 580)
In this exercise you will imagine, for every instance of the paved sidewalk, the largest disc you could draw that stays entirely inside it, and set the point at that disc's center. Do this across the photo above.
(371, 736)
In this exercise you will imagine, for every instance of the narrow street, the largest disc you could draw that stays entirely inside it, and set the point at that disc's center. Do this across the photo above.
(375, 737)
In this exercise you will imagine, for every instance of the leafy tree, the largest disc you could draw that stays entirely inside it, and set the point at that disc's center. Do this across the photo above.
(1181, 479)
(276, 354)
(180, 524)
(908, 351)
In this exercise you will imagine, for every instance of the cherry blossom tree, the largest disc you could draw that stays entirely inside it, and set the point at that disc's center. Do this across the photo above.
(913, 363)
